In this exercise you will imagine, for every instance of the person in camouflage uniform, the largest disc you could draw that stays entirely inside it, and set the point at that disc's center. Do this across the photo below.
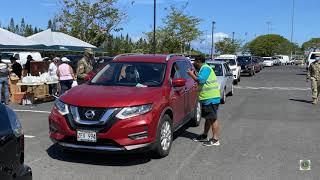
(85, 65)
(314, 75)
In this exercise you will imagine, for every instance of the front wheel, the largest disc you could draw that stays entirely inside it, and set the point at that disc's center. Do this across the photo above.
(223, 99)
(232, 91)
(164, 137)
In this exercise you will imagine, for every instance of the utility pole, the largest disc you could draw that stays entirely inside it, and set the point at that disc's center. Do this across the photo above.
(212, 40)
(154, 26)
(246, 36)
(233, 37)
(292, 25)
(269, 24)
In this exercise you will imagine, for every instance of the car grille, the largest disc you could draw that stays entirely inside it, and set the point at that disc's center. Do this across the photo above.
(100, 142)
(99, 112)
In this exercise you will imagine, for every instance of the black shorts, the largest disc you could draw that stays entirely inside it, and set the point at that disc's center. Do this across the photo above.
(210, 112)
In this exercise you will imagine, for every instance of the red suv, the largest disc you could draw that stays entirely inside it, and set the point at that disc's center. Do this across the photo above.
(134, 102)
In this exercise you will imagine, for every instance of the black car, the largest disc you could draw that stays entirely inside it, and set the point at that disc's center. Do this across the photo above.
(247, 65)
(12, 147)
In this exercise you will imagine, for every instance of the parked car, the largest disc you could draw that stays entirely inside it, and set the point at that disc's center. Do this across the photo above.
(233, 64)
(276, 61)
(284, 60)
(135, 102)
(267, 61)
(312, 58)
(247, 65)
(256, 62)
(224, 78)
(12, 147)
(20, 56)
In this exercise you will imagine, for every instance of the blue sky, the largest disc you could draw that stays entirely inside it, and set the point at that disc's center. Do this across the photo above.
(239, 16)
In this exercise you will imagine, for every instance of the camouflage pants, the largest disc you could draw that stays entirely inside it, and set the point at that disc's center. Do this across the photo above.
(315, 87)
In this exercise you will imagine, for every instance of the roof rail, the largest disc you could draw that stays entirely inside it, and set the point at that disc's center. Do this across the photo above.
(126, 54)
(169, 56)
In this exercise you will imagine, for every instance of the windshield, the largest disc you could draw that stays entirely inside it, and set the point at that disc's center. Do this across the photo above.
(267, 59)
(217, 68)
(232, 62)
(6, 55)
(131, 74)
(244, 60)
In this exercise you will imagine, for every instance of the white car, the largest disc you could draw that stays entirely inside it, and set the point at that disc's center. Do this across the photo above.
(21, 57)
(312, 57)
(233, 65)
(283, 59)
(267, 62)
(224, 78)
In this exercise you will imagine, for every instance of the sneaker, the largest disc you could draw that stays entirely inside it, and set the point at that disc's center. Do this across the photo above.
(212, 142)
(201, 138)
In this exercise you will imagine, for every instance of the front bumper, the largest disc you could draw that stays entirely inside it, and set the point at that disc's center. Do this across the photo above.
(122, 135)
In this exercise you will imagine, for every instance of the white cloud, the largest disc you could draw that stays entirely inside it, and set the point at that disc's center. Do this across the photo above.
(204, 44)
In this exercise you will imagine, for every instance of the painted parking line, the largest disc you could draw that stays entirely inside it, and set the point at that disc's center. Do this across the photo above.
(32, 111)
(29, 136)
(273, 88)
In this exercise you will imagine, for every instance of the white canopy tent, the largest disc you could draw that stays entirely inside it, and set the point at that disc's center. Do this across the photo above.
(59, 40)
(9, 39)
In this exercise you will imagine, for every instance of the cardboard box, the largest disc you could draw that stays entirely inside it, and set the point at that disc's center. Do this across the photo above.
(16, 98)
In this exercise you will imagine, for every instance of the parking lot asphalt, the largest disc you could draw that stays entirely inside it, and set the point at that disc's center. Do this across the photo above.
(266, 128)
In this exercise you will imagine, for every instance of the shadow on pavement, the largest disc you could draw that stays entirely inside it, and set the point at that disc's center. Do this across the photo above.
(301, 100)
(301, 74)
(104, 159)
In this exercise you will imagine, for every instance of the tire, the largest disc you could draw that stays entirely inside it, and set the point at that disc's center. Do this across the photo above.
(223, 99)
(164, 137)
(196, 119)
(231, 92)
(235, 82)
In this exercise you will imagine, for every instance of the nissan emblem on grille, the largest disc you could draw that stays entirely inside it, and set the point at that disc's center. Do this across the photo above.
(90, 114)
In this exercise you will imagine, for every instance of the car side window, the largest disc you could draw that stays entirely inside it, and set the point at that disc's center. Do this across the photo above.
(184, 66)
(175, 71)
(226, 67)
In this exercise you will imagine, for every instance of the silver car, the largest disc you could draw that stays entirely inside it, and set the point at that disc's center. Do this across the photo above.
(224, 78)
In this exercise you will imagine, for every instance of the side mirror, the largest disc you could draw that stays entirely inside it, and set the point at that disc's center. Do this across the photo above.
(179, 82)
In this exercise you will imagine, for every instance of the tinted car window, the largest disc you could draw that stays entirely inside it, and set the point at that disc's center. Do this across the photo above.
(217, 68)
(175, 71)
(130, 74)
(244, 60)
(183, 66)
(232, 62)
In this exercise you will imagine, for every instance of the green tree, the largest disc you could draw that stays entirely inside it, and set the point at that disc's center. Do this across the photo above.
(312, 44)
(22, 27)
(49, 24)
(29, 30)
(270, 45)
(227, 46)
(181, 27)
(11, 26)
(90, 21)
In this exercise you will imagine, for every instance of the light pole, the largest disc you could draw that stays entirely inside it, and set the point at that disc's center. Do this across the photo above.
(212, 40)
(292, 26)
(154, 25)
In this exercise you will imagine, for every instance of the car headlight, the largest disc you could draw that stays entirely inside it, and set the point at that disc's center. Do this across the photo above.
(62, 107)
(15, 123)
(129, 112)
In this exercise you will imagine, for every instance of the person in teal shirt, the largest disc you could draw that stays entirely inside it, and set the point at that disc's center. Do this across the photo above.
(209, 106)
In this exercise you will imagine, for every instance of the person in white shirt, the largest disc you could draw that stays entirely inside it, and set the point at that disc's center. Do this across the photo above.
(53, 72)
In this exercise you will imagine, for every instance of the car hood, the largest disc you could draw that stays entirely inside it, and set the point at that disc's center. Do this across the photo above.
(110, 96)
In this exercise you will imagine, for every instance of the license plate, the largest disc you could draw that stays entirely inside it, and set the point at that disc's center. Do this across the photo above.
(86, 136)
